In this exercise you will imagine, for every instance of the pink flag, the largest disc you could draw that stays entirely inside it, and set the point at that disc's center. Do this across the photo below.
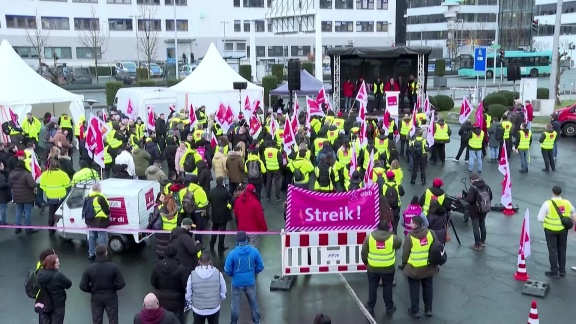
(480, 116)
(150, 122)
(353, 160)
(396, 132)
(313, 108)
(95, 140)
(255, 106)
(430, 132)
(229, 115)
(504, 168)
(222, 118)
(213, 140)
(172, 108)
(192, 117)
(321, 97)
(294, 122)
(104, 115)
(13, 117)
(525, 246)
(386, 121)
(255, 126)
(362, 134)
(248, 107)
(273, 126)
(427, 107)
(288, 136)
(525, 113)
(35, 166)
(465, 111)
(362, 95)
(369, 170)
(361, 113)
(130, 110)
(414, 124)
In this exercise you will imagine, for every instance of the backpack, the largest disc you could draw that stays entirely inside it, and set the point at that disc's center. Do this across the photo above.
(391, 195)
(353, 186)
(5, 128)
(380, 181)
(176, 197)
(188, 202)
(88, 212)
(202, 151)
(324, 175)
(417, 148)
(155, 223)
(298, 175)
(499, 133)
(436, 254)
(254, 172)
(190, 163)
(31, 285)
(483, 201)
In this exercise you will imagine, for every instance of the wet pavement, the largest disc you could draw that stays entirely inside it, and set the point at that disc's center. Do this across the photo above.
(473, 287)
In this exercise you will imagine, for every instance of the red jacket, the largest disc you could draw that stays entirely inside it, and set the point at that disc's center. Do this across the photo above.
(348, 89)
(530, 112)
(249, 213)
(388, 87)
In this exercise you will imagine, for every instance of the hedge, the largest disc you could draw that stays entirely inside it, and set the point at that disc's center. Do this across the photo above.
(269, 82)
(308, 66)
(510, 96)
(494, 98)
(111, 89)
(497, 110)
(542, 93)
(245, 71)
(172, 82)
(146, 83)
(278, 72)
(444, 103)
(440, 68)
(103, 70)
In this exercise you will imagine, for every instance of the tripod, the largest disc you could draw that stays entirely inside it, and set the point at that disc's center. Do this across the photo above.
(453, 229)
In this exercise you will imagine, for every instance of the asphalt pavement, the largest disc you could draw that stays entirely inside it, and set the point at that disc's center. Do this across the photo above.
(473, 287)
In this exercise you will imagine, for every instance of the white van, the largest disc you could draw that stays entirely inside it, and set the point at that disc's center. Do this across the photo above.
(131, 203)
(140, 98)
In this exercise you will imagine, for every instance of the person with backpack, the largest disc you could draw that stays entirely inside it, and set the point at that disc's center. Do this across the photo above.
(433, 193)
(52, 294)
(301, 169)
(189, 159)
(418, 270)
(255, 170)
(479, 198)
(194, 201)
(164, 217)
(496, 139)
(169, 279)
(355, 182)
(414, 209)
(31, 285)
(419, 151)
(393, 193)
(325, 176)
(96, 214)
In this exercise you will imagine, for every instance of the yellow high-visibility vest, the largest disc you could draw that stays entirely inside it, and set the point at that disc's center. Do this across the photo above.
(419, 253)
(381, 254)
(552, 221)
(549, 140)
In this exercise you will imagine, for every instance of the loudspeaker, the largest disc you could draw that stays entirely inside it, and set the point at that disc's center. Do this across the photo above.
(240, 85)
(294, 75)
(513, 72)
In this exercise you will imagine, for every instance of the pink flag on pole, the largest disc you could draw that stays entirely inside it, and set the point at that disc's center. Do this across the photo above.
(294, 123)
(229, 115)
(465, 111)
(321, 97)
(150, 122)
(480, 115)
(386, 121)
(414, 123)
(172, 108)
(13, 117)
(362, 134)
(104, 115)
(362, 95)
(504, 168)
(369, 170)
(255, 126)
(222, 118)
(427, 107)
(307, 125)
(525, 246)
(313, 108)
(273, 126)
(431, 130)
(192, 117)
(130, 110)
(248, 108)
(95, 140)
(361, 113)
(353, 160)
(35, 166)
(213, 140)
(288, 136)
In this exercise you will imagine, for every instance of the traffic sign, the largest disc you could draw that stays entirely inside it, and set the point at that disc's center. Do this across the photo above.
(480, 59)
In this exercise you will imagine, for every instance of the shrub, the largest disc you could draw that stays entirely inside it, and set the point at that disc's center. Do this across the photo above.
(141, 74)
(245, 71)
(433, 102)
(111, 89)
(146, 83)
(444, 103)
(542, 93)
(440, 68)
(510, 96)
(103, 71)
(494, 98)
(308, 66)
(278, 72)
(172, 82)
(269, 82)
(497, 110)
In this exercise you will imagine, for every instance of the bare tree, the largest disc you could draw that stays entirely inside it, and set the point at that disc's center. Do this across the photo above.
(94, 36)
(37, 38)
(540, 46)
(148, 38)
(563, 64)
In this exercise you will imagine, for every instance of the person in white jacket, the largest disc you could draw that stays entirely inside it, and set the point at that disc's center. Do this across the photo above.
(205, 290)
(124, 157)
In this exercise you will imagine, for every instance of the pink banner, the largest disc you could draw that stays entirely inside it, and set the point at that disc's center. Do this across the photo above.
(344, 211)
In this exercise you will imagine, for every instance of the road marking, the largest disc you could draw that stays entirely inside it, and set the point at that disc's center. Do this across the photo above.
(357, 300)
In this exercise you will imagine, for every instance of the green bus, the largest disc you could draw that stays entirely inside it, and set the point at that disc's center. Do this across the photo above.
(531, 64)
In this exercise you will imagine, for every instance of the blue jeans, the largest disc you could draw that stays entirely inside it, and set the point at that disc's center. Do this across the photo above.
(555, 150)
(96, 238)
(25, 209)
(252, 301)
(347, 103)
(493, 152)
(523, 154)
(3, 207)
(475, 155)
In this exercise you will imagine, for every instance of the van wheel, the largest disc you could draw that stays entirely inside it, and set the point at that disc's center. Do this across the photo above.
(489, 74)
(569, 129)
(533, 73)
(117, 244)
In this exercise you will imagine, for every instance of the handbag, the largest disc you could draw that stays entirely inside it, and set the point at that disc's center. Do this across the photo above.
(566, 221)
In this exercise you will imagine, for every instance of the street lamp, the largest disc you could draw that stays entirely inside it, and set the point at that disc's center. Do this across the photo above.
(136, 32)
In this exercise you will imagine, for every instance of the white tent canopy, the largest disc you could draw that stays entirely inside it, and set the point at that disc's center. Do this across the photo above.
(211, 83)
(23, 90)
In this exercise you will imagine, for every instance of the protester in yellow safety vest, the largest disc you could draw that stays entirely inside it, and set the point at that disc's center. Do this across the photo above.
(366, 156)
(325, 176)
(66, 123)
(433, 193)
(404, 131)
(554, 214)
(319, 144)
(16, 133)
(139, 128)
(344, 153)
(201, 200)
(339, 122)
(28, 155)
(301, 169)
(442, 134)
(547, 140)
(201, 116)
(273, 161)
(381, 145)
(421, 118)
(412, 91)
(134, 141)
(217, 129)
(279, 134)
(31, 127)
(316, 125)
(101, 219)
(416, 266)
(354, 131)
(197, 134)
(332, 134)
(55, 183)
(523, 147)
(85, 173)
(475, 143)
(507, 125)
(80, 127)
(378, 88)
(175, 121)
(398, 173)
(378, 172)
(378, 254)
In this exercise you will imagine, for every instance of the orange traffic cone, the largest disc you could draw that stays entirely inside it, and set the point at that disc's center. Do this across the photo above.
(533, 317)
(508, 210)
(521, 273)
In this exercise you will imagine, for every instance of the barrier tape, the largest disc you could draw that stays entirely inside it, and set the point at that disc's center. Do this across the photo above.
(128, 230)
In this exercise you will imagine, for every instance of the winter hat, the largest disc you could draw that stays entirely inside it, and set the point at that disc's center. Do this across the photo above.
(20, 153)
(339, 114)
(241, 237)
(187, 222)
(437, 183)
(390, 175)
(250, 187)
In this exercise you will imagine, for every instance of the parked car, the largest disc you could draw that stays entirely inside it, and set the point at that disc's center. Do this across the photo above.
(155, 70)
(82, 75)
(185, 70)
(126, 72)
(567, 120)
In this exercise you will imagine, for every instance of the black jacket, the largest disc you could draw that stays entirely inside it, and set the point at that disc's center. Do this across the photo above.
(472, 197)
(23, 185)
(187, 250)
(102, 278)
(219, 198)
(169, 278)
(170, 153)
(204, 176)
(154, 151)
(437, 223)
(55, 283)
(67, 166)
(465, 131)
(160, 127)
(5, 192)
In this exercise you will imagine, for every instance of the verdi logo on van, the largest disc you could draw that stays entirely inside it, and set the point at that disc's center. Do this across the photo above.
(149, 196)
(118, 212)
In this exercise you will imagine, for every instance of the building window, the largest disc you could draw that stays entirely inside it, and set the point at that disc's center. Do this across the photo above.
(87, 1)
(55, 23)
(260, 51)
(182, 24)
(149, 24)
(61, 52)
(300, 50)
(327, 26)
(344, 4)
(275, 51)
(364, 26)
(237, 26)
(383, 4)
(228, 46)
(382, 26)
(240, 47)
(178, 2)
(120, 1)
(253, 3)
(148, 2)
(246, 25)
(270, 29)
(364, 4)
(86, 24)
(20, 22)
(88, 52)
(344, 26)
(26, 51)
(236, 3)
(325, 4)
(260, 26)
(120, 24)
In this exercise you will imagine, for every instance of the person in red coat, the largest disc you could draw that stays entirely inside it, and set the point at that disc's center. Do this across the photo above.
(249, 214)
(529, 113)
(391, 86)
(348, 93)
